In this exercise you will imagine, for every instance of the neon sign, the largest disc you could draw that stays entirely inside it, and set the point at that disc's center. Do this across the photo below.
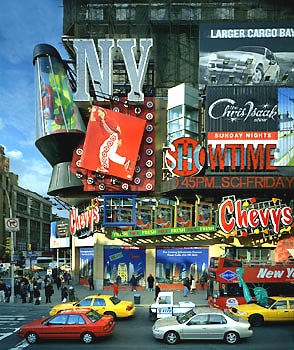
(83, 221)
(243, 217)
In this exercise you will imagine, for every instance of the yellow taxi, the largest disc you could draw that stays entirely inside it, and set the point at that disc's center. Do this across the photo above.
(276, 309)
(104, 304)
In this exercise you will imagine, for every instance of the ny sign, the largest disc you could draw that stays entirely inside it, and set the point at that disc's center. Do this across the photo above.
(101, 72)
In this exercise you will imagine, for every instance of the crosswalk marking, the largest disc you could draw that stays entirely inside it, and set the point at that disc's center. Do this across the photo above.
(23, 344)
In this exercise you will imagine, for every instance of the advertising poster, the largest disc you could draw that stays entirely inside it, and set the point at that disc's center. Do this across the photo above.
(164, 216)
(86, 262)
(246, 53)
(183, 215)
(173, 265)
(250, 127)
(144, 218)
(59, 234)
(121, 263)
(112, 143)
(203, 214)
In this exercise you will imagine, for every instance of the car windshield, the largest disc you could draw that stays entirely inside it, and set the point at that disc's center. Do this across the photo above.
(46, 320)
(232, 316)
(186, 316)
(115, 300)
(93, 316)
(269, 303)
(255, 49)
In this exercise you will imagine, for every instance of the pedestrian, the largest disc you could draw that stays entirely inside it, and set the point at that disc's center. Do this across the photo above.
(3, 291)
(64, 294)
(31, 291)
(23, 292)
(48, 291)
(115, 289)
(150, 282)
(192, 284)
(186, 286)
(118, 280)
(8, 293)
(133, 282)
(71, 293)
(157, 290)
(37, 295)
(203, 280)
(58, 282)
(91, 282)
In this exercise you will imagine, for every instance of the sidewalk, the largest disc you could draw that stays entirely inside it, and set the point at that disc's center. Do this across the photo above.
(146, 297)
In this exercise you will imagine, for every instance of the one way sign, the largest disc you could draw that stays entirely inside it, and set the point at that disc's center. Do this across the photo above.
(12, 224)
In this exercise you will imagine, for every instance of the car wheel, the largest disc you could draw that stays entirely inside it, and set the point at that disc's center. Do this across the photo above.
(231, 337)
(171, 337)
(87, 338)
(32, 338)
(111, 314)
(256, 320)
(257, 75)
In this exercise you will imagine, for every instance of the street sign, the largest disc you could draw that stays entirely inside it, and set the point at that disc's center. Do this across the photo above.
(11, 224)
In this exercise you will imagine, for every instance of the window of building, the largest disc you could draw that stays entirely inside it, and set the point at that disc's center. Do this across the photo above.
(226, 11)
(191, 13)
(125, 13)
(158, 13)
(256, 14)
(94, 12)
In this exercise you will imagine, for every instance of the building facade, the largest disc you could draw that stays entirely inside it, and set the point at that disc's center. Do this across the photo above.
(210, 172)
(33, 211)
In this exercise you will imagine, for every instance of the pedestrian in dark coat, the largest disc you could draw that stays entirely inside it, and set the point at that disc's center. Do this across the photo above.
(157, 290)
(23, 292)
(58, 282)
(48, 292)
(133, 282)
(150, 281)
(37, 295)
(64, 294)
(91, 282)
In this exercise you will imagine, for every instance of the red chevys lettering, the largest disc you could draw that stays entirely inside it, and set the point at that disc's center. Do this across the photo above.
(84, 220)
(232, 215)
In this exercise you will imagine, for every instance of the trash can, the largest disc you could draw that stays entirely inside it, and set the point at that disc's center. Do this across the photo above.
(137, 298)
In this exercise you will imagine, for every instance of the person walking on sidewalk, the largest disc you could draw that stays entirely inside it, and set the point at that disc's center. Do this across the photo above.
(157, 290)
(115, 289)
(64, 294)
(3, 291)
(37, 295)
(186, 286)
(48, 291)
(91, 282)
(133, 282)
(150, 282)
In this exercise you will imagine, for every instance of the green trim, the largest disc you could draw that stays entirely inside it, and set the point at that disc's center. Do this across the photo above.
(164, 231)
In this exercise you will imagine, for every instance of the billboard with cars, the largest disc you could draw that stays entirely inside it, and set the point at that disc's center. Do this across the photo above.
(246, 53)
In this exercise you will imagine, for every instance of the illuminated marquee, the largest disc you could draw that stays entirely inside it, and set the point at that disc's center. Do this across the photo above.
(84, 221)
(243, 217)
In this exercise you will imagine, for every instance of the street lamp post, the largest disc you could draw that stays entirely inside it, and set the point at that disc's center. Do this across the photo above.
(11, 251)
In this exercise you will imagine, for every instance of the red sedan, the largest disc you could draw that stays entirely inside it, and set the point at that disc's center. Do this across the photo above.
(85, 324)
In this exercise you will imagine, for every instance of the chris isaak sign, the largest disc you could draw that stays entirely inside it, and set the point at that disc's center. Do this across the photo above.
(247, 217)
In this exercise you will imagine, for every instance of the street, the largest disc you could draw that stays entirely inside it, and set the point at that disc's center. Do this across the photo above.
(135, 333)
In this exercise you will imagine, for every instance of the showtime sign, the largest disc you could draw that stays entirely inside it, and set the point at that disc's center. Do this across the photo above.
(84, 221)
(186, 157)
(236, 216)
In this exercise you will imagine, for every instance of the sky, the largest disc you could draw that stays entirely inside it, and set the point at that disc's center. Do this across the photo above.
(23, 25)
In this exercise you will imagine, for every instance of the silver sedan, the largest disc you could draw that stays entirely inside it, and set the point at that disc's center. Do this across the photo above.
(202, 323)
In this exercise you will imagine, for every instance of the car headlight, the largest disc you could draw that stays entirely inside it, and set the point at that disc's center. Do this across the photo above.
(243, 313)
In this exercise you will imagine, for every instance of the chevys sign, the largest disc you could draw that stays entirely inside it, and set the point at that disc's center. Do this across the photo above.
(84, 221)
(243, 216)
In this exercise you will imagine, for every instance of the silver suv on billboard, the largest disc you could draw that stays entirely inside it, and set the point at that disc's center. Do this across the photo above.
(251, 64)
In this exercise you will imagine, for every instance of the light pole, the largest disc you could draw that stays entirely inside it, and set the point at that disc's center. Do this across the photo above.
(11, 251)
